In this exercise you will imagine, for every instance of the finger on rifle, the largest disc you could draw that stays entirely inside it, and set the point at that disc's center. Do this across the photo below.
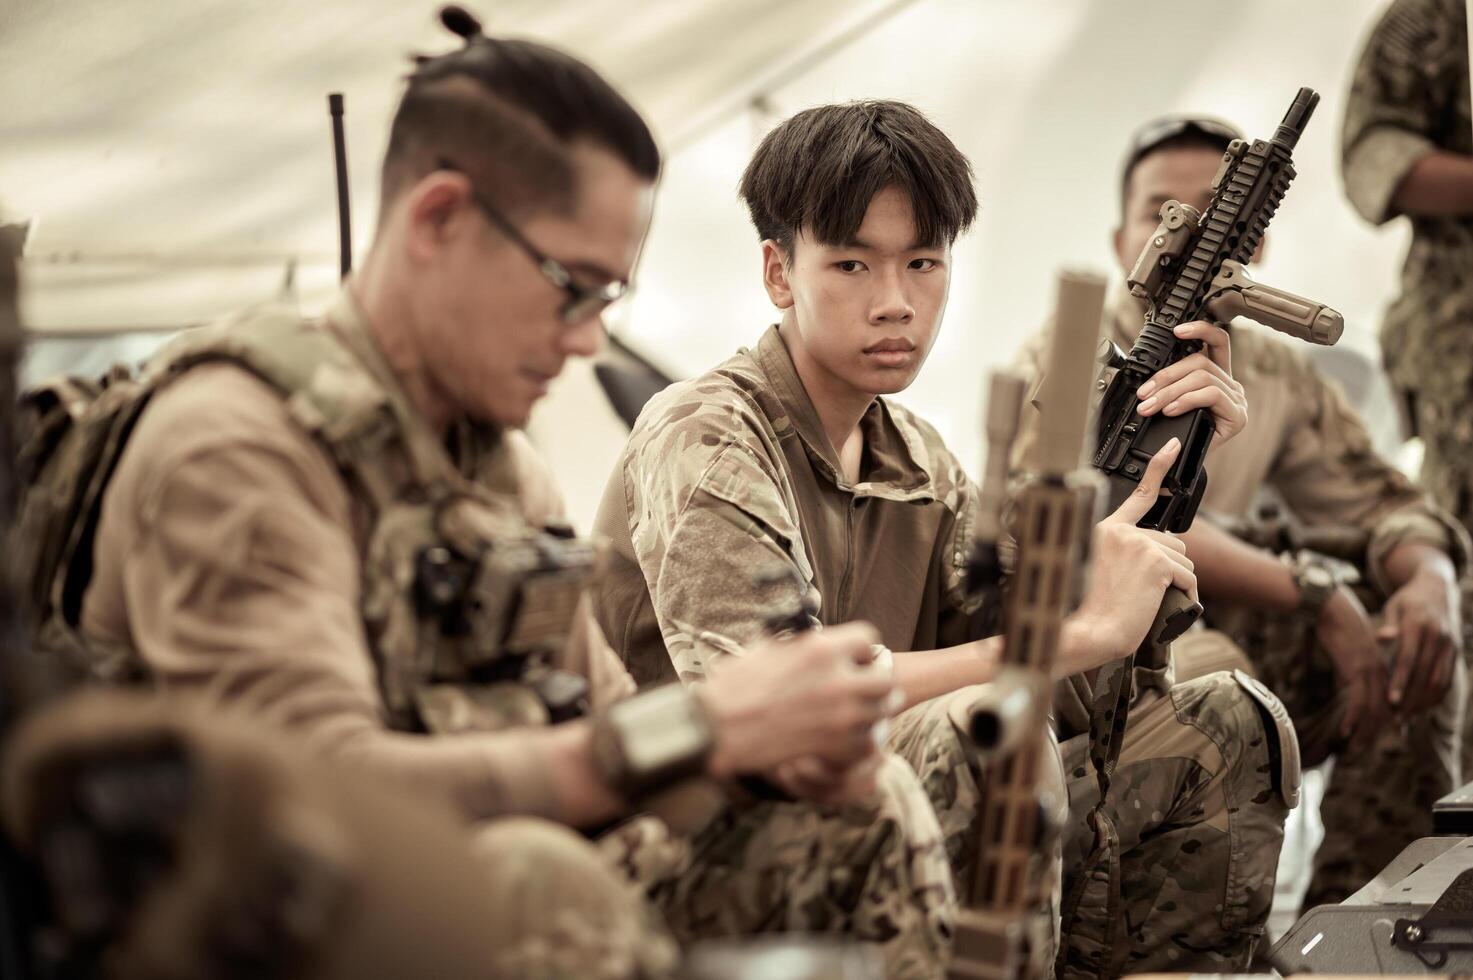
(1197, 398)
(1173, 373)
(1198, 380)
(1143, 497)
(1213, 338)
(1185, 579)
(1166, 540)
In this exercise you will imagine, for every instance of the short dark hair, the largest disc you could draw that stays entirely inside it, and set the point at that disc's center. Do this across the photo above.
(504, 111)
(1173, 133)
(818, 171)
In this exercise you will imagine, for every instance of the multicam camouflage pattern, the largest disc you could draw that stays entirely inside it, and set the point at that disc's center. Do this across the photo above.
(875, 871)
(563, 914)
(953, 777)
(1200, 825)
(1377, 800)
(728, 503)
(731, 472)
(1409, 97)
(1313, 451)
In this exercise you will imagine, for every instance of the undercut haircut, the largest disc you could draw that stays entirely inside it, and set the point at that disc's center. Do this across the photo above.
(817, 172)
(505, 112)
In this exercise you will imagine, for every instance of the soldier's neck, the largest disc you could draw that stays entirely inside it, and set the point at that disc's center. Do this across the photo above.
(391, 325)
(839, 406)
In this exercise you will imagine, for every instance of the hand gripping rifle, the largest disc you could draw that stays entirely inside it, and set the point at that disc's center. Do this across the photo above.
(1052, 517)
(1192, 269)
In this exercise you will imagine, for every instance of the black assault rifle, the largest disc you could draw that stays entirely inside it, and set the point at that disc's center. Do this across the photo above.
(1192, 269)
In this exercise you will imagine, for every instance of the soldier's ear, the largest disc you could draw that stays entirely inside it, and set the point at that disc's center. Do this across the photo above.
(775, 274)
(1118, 241)
(436, 210)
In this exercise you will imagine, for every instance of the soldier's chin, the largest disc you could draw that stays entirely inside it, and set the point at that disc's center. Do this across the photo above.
(888, 382)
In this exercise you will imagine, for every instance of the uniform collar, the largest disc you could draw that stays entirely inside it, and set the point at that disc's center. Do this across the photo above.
(889, 466)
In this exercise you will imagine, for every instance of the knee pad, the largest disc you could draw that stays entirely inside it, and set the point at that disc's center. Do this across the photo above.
(1283, 742)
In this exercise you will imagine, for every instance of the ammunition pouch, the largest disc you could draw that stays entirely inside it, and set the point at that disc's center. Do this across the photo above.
(466, 605)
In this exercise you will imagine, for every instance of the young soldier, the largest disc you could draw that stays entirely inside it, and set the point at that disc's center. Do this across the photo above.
(325, 522)
(1321, 654)
(789, 456)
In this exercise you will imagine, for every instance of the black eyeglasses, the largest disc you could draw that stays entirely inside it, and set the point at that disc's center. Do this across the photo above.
(583, 301)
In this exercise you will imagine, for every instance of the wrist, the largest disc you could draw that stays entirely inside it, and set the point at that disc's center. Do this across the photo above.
(1086, 641)
(721, 762)
(652, 741)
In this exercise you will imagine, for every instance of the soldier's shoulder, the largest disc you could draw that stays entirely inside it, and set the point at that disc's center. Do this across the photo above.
(720, 402)
(695, 420)
(1417, 29)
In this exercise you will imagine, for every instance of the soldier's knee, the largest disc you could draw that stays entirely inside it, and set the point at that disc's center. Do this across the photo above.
(561, 910)
(1251, 728)
(533, 856)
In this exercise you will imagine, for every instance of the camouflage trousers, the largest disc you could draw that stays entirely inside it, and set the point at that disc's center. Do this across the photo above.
(949, 770)
(874, 872)
(1200, 825)
(1377, 801)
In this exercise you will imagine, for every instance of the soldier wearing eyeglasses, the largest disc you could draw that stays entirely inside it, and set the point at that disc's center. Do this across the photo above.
(334, 526)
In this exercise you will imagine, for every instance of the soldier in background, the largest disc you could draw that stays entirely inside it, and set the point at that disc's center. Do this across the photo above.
(1303, 628)
(1407, 149)
(333, 528)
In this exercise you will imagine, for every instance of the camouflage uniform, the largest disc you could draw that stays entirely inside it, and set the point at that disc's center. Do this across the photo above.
(246, 551)
(1409, 98)
(1307, 444)
(731, 474)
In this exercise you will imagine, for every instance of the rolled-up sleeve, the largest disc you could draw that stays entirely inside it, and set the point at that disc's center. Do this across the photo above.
(1329, 474)
(1391, 113)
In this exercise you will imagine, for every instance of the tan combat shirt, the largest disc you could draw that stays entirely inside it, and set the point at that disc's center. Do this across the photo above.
(729, 496)
(1303, 439)
(229, 554)
(1408, 98)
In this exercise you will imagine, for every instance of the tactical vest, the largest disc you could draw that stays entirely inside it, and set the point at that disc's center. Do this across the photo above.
(465, 603)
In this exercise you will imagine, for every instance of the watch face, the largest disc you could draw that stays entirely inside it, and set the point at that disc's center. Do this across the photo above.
(1319, 577)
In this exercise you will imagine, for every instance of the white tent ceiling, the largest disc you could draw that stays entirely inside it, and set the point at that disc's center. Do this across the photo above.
(176, 153)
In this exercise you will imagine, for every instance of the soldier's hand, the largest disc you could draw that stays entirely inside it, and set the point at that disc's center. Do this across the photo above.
(1130, 570)
(819, 781)
(810, 695)
(1200, 380)
(1421, 619)
(1345, 632)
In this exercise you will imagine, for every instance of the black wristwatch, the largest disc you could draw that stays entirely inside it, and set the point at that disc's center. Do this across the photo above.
(652, 741)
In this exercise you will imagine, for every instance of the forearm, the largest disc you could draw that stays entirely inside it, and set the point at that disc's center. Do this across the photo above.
(1413, 558)
(1231, 571)
(1438, 185)
(927, 674)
